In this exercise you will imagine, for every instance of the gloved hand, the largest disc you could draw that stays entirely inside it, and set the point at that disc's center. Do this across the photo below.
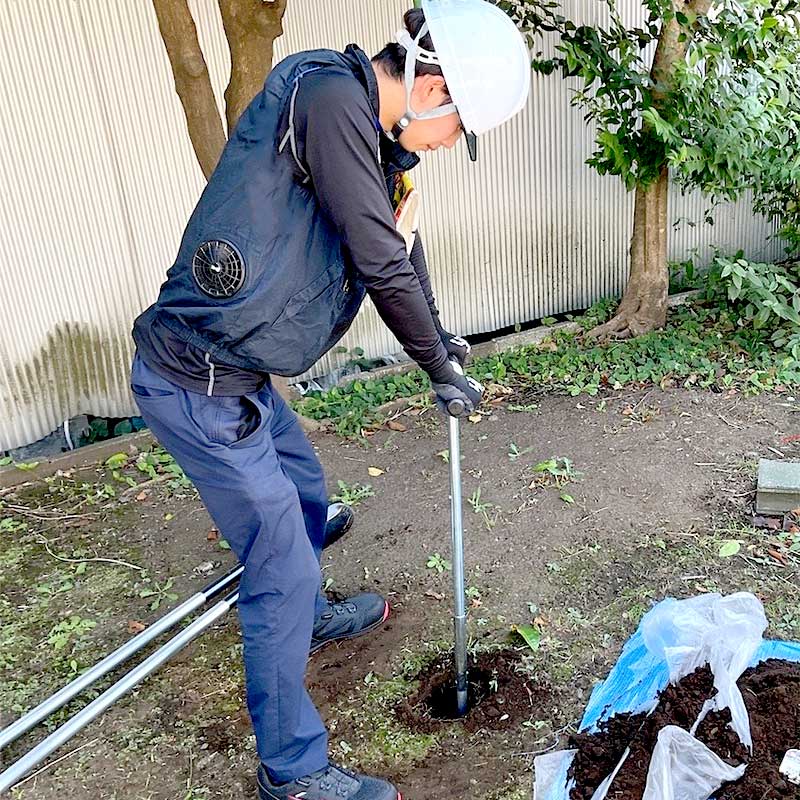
(460, 396)
(458, 349)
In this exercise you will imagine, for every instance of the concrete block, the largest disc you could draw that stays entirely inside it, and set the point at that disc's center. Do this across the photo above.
(778, 486)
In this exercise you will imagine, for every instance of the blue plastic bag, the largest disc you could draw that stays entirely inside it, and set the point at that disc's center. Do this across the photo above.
(649, 659)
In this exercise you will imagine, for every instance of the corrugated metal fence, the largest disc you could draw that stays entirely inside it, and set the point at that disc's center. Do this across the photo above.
(98, 179)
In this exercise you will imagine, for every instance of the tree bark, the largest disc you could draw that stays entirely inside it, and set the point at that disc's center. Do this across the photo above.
(251, 27)
(192, 82)
(643, 307)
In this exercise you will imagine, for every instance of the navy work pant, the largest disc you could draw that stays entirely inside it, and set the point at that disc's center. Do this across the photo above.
(264, 488)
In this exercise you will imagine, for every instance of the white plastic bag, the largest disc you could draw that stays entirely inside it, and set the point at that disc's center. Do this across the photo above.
(683, 768)
(550, 775)
(723, 632)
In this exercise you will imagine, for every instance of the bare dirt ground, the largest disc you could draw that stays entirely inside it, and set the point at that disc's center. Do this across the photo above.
(655, 483)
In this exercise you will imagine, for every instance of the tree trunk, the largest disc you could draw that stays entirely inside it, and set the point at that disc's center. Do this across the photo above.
(251, 27)
(643, 307)
(192, 82)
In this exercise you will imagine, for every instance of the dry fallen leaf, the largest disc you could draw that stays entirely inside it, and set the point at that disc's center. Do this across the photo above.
(475, 418)
(375, 471)
(780, 557)
(142, 495)
(394, 425)
(134, 626)
(434, 595)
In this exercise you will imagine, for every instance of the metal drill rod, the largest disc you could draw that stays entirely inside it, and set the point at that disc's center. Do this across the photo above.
(457, 530)
(21, 768)
(117, 657)
(50, 705)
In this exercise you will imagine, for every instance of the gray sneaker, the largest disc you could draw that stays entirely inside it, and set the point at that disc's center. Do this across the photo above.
(331, 783)
(350, 618)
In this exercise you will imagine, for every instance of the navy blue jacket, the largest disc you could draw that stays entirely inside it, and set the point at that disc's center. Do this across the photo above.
(299, 202)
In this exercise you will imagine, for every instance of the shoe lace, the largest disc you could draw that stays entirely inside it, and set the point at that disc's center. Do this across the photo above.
(335, 778)
(337, 609)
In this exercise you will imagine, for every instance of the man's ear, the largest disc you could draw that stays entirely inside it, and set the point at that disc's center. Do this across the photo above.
(430, 90)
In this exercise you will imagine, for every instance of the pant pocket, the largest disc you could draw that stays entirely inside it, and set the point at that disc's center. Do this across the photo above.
(237, 421)
(147, 384)
(149, 392)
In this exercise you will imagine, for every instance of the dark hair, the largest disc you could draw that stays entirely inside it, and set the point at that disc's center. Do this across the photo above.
(393, 57)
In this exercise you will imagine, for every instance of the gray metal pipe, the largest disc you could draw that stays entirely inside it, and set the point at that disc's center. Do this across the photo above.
(17, 771)
(112, 660)
(457, 530)
(47, 707)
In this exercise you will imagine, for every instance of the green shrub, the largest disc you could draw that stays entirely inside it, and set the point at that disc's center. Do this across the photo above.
(760, 296)
(711, 344)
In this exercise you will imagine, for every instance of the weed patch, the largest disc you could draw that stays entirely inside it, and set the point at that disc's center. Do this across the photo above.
(702, 346)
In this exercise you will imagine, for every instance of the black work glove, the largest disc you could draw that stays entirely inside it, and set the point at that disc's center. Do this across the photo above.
(460, 396)
(458, 349)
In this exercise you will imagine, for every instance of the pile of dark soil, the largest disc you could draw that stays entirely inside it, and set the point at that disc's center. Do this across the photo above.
(500, 696)
(771, 693)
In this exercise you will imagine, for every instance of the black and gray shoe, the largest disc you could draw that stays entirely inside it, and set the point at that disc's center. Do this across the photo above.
(340, 520)
(331, 783)
(350, 618)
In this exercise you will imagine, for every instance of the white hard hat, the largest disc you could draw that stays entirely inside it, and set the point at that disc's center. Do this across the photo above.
(483, 58)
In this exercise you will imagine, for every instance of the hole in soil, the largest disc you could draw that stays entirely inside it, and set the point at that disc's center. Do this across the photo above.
(442, 702)
(500, 696)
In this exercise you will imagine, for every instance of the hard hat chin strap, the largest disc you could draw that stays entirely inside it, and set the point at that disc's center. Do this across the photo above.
(414, 53)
